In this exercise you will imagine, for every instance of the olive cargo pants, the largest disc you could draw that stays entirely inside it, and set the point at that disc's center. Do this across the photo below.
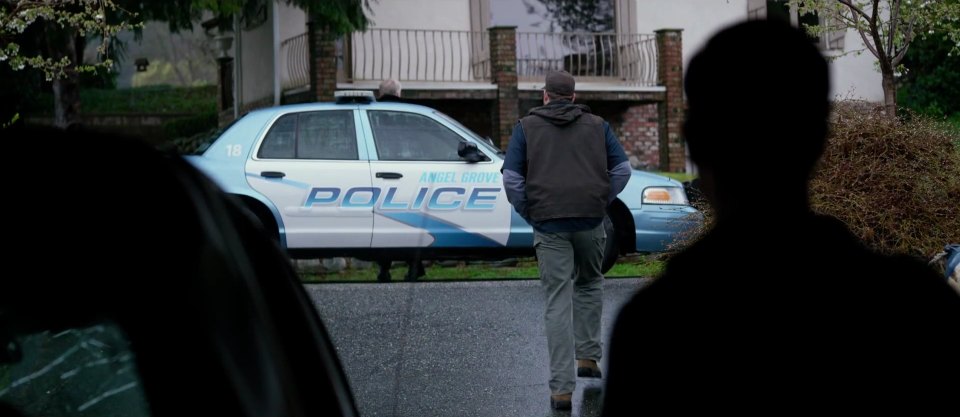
(569, 265)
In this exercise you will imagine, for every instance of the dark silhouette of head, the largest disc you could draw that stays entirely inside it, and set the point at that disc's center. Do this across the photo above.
(774, 293)
(757, 117)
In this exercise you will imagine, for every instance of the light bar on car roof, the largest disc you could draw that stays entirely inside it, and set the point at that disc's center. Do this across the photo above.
(353, 96)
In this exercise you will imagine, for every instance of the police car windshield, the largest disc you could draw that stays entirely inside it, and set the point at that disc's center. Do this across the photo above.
(482, 141)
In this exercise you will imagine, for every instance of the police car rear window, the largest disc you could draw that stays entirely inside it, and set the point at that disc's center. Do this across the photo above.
(312, 135)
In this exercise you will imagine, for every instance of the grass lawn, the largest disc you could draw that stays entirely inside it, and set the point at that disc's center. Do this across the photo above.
(679, 176)
(526, 268)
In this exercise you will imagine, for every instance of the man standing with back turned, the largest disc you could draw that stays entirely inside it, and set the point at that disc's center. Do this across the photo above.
(390, 91)
(563, 167)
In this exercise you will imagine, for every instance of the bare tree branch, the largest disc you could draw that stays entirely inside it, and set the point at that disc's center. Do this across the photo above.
(894, 20)
(907, 39)
(855, 9)
(857, 15)
(844, 20)
(881, 54)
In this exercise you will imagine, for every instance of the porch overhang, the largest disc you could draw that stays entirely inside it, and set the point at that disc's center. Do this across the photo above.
(433, 90)
(599, 91)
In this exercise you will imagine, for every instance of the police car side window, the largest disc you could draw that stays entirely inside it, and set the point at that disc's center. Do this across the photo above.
(312, 135)
(326, 135)
(281, 139)
(401, 136)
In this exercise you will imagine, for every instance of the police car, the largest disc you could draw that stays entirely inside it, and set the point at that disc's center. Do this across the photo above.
(378, 180)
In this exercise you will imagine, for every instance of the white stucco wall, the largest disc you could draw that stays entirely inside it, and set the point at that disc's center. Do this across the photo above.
(420, 14)
(294, 65)
(851, 76)
(256, 62)
(854, 76)
(293, 21)
(699, 19)
(429, 53)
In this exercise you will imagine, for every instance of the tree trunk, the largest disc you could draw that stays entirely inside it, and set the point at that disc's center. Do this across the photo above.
(889, 93)
(66, 90)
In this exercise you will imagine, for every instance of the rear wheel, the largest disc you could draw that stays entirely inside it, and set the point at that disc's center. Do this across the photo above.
(261, 213)
(611, 250)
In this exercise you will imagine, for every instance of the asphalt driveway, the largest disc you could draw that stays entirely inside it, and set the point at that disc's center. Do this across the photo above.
(452, 349)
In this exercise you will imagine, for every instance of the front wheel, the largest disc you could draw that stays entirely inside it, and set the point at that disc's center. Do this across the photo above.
(611, 251)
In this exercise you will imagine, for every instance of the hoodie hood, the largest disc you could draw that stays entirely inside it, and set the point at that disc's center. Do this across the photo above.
(560, 112)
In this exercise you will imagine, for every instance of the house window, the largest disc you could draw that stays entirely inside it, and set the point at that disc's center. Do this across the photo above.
(829, 40)
(594, 16)
(588, 38)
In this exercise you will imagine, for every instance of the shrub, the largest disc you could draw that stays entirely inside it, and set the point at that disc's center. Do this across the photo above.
(705, 217)
(194, 144)
(191, 125)
(896, 184)
(931, 84)
(152, 100)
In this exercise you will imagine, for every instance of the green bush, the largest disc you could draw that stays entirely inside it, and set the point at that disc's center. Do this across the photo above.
(194, 144)
(190, 125)
(931, 84)
(154, 99)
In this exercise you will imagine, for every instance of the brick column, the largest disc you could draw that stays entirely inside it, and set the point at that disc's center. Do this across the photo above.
(323, 61)
(503, 66)
(225, 93)
(670, 75)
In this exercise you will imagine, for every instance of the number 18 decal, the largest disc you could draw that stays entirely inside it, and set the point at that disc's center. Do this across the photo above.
(234, 150)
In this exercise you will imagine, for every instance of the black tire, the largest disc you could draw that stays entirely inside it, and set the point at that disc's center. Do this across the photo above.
(611, 250)
(260, 215)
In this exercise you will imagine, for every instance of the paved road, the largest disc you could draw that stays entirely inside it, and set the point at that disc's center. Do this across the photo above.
(452, 349)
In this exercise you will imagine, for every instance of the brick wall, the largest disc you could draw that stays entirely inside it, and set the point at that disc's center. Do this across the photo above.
(503, 58)
(637, 126)
(670, 74)
(476, 115)
(323, 65)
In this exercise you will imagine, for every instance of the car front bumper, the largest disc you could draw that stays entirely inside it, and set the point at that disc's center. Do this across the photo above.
(659, 227)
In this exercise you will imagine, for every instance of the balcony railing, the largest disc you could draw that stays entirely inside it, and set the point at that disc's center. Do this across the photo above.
(464, 56)
(625, 58)
(295, 63)
(419, 55)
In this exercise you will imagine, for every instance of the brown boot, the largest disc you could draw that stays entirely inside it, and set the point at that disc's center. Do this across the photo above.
(588, 368)
(561, 401)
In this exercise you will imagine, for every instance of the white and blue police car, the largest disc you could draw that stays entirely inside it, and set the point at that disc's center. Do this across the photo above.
(390, 181)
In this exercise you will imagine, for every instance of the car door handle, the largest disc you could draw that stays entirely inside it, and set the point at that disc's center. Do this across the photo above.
(389, 175)
(272, 174)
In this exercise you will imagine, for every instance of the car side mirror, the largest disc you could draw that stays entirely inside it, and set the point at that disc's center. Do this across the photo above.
(469, 152)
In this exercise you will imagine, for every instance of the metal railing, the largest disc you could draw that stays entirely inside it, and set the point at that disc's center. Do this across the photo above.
(625, 58)
(419, 55)
(459, 56)
(295, 62)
